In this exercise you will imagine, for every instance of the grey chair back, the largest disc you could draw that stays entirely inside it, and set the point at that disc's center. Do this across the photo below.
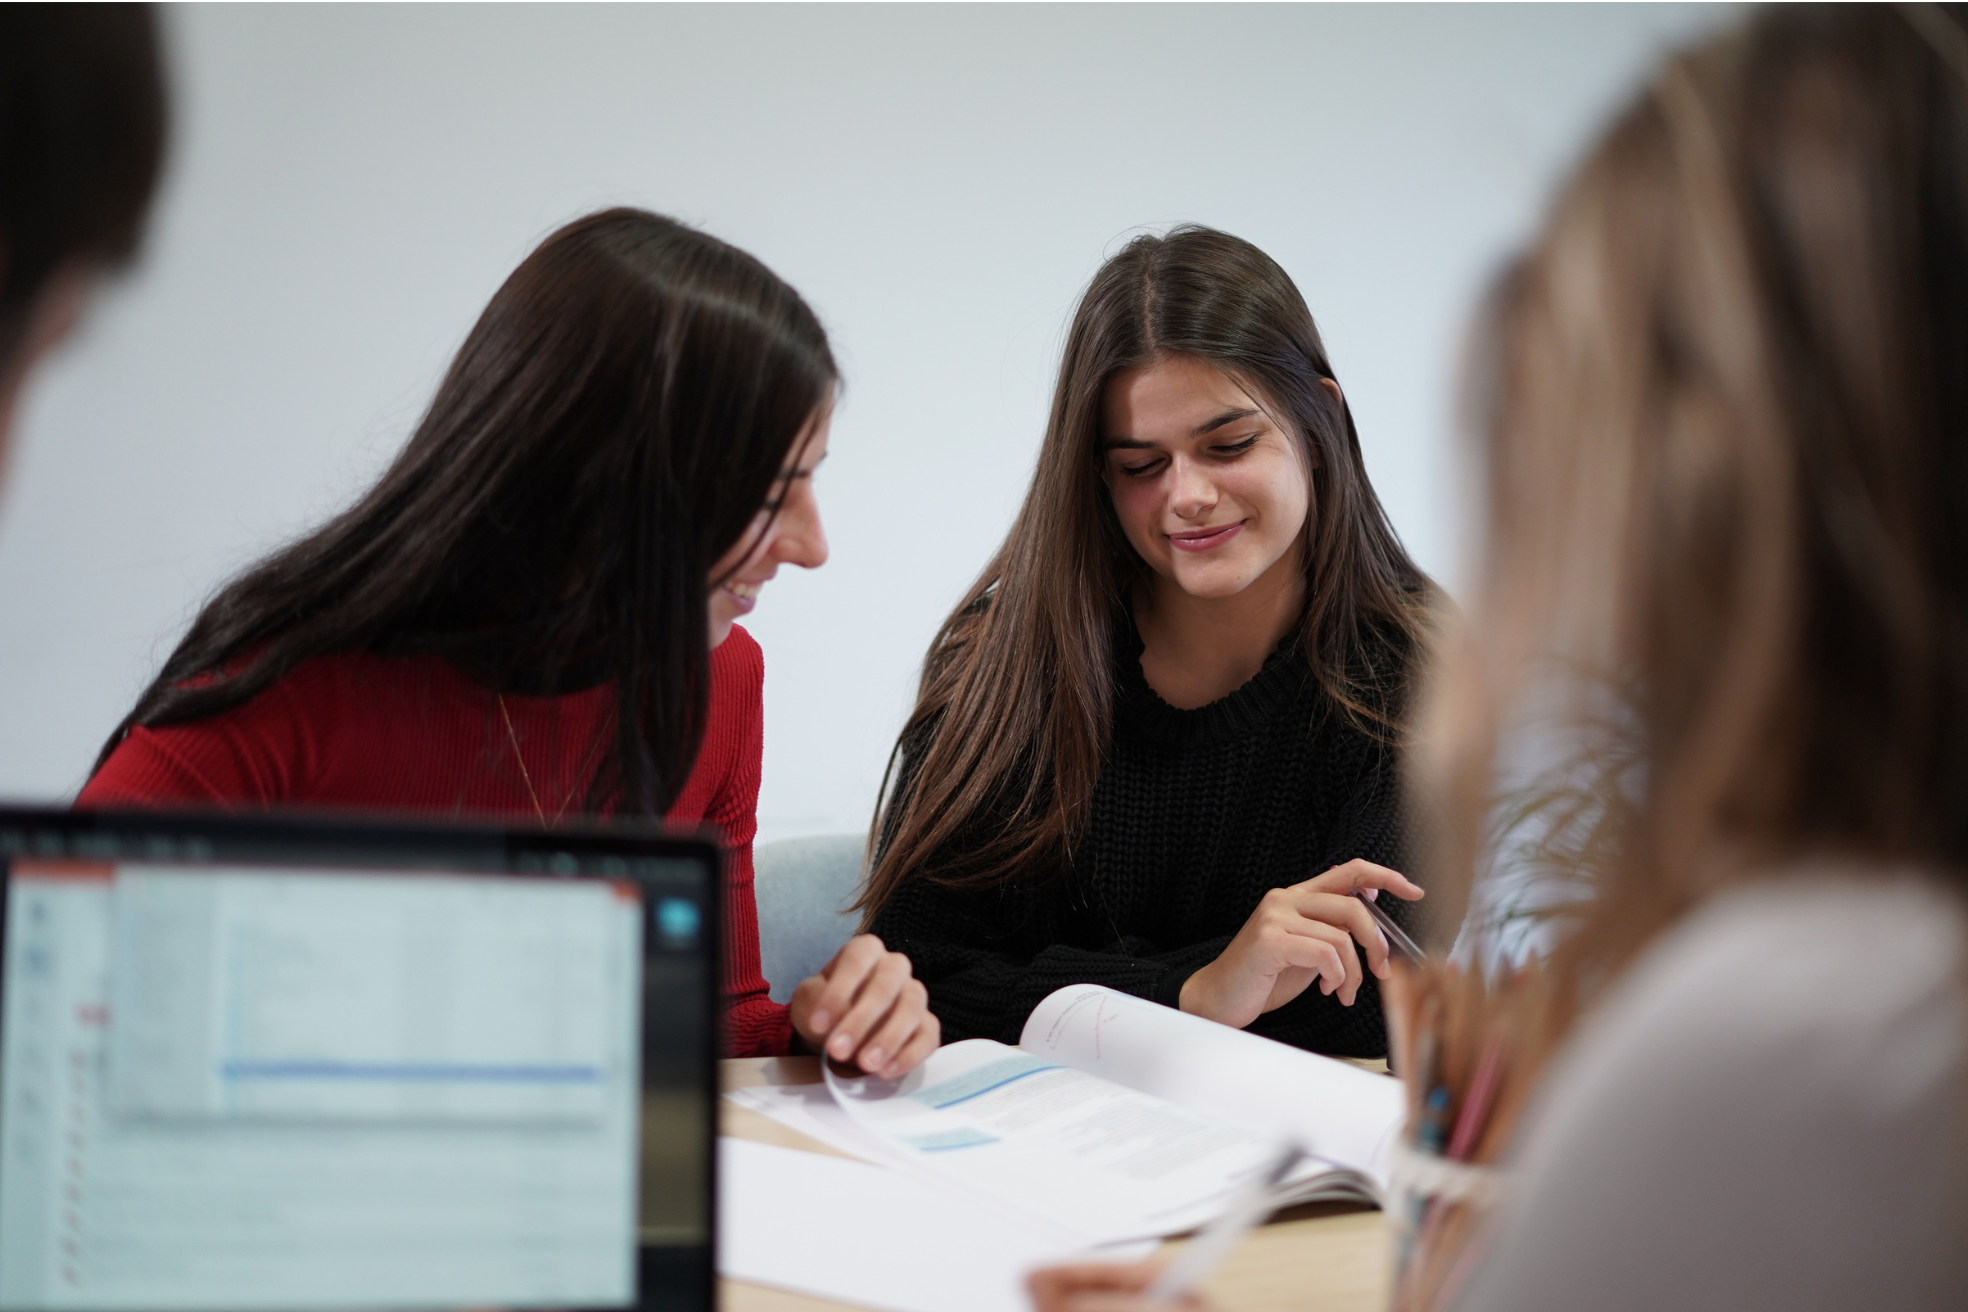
(803, 887)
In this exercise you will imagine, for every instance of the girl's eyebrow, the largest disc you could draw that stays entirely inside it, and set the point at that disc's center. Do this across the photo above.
(1227, 417)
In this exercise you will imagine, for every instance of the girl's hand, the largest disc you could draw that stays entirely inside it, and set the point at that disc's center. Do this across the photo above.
(1295, 936)
(1102, 1287)
(866, 1005)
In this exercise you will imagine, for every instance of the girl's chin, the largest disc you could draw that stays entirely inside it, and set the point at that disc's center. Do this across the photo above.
(1212, 584)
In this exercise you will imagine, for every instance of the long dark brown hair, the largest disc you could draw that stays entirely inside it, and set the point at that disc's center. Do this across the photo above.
(612, 424)
(1727, 443)
(1013, 714)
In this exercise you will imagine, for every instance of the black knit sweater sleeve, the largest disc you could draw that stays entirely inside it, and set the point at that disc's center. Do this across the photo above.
(975, 954)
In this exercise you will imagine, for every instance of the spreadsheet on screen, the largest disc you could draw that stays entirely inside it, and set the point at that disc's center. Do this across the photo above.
(226, 1087)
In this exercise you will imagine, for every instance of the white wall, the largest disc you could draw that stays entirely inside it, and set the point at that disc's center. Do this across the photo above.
(350, 184)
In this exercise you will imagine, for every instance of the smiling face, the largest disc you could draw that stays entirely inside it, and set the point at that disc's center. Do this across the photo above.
(786, 531)
(1209, 488)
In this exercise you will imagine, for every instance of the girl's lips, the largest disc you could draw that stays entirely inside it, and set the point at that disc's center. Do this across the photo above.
(742, 598)
(1204, 539)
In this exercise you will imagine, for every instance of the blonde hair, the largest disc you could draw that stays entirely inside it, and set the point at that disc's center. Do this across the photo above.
(1725, 406)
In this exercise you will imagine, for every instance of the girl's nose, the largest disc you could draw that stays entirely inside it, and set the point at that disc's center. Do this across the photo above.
(802, 537)
(1191, 492)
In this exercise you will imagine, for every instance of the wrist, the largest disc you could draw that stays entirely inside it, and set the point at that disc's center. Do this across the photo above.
(800, 1012)
(1194, 997)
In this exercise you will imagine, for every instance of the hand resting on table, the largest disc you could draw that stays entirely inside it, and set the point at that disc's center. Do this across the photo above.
(867, 1007)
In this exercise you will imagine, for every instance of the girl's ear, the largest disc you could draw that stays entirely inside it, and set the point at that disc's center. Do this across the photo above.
(1339, 398)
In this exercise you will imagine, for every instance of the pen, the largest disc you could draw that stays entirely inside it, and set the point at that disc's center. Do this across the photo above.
(1476, 1101)
(1397, 938)
(1252, 1204)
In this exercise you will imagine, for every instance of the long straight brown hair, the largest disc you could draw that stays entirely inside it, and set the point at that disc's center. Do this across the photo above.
(610, 428)
(1013, 714)
(1726, 414)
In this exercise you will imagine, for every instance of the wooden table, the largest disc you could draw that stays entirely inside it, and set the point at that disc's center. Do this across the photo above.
(1318, 1258)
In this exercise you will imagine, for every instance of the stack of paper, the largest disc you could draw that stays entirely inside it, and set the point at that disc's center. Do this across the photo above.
(879, 1238)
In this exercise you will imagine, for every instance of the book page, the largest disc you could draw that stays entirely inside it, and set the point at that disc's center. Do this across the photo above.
(1082, 1152)
(1343, 1115)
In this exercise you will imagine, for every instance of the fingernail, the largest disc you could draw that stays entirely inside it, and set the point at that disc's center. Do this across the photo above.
(871, 1060)
(1373, 895)
(821, 1021)
(841, 1044)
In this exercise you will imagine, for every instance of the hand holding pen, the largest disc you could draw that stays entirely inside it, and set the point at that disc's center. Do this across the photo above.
(1403, 947)
(1314, 932)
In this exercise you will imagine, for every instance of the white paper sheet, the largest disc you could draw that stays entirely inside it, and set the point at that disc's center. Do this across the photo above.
(861, 1234)
(811, 1109)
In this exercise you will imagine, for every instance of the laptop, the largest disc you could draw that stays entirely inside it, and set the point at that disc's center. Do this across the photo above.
(252, 1062)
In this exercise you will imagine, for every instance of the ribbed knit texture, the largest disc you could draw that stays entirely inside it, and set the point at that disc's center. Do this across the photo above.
(1197, 814)
(354, 731)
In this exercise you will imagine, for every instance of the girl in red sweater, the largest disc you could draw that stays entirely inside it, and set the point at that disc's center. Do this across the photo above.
(514, 620)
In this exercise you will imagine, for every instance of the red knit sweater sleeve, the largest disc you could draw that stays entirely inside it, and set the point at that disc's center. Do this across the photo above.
(754, 1025)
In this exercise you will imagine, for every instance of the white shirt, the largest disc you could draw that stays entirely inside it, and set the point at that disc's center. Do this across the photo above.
(1766, 1113)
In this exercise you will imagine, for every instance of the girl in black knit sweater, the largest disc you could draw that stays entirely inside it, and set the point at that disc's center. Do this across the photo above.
(1154, 747)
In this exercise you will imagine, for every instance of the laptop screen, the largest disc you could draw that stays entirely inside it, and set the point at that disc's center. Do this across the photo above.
(291, 1082)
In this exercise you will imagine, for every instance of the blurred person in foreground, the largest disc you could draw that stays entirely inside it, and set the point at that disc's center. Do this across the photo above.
(82, 124)
(1726, 409)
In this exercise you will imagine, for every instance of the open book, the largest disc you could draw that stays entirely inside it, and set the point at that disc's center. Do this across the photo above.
(1119, 1119)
